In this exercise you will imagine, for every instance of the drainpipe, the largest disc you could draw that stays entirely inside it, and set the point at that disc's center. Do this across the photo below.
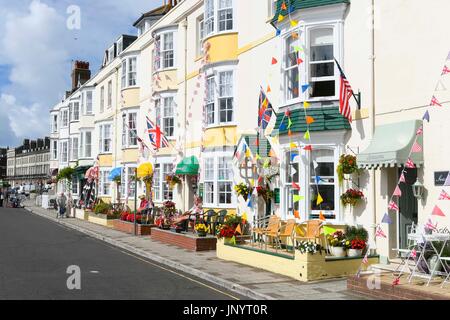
(185, 189)
(372, 122)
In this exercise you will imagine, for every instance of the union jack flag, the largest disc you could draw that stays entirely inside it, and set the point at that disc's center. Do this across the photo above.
(416, 148)
(435, 102)
(380, 233)
(414, 254)
(265, 110)
(393, 206)
(410, 164)
(419, 131)
(157, 137)
(446, 70)
(444, 195)
(402, 178)
(366, 258)
(430, 226)
(396, 282)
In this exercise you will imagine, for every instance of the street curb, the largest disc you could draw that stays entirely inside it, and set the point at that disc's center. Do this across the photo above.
(164, 261)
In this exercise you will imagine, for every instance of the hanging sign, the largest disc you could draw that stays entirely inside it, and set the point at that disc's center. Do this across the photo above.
(440, 177)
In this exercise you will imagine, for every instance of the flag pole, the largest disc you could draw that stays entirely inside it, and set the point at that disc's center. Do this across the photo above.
(358, 100)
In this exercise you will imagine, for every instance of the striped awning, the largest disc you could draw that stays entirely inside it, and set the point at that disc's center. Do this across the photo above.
(391, 146)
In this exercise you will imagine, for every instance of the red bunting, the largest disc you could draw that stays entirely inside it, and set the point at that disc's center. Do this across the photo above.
(296, 186)
(283, 6)
(308, 148)
(299, 61)
(274, 61)
(437, 212)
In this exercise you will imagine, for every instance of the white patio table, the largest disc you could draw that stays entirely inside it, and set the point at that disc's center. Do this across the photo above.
(423, 240)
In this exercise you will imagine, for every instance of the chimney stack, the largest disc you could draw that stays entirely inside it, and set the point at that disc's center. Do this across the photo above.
(80, 73)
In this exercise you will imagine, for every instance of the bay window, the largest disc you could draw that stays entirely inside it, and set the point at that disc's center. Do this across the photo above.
(55, 123)
(165, 115)
(102, 99)
(105, 184)
(54, 150)
(200, 35)
(85, 144)
(105, 138)
(129, 129)
(321, 62)
(64, 151)
(129, 72)
(109, 94)
(219, 16)
(74, 148)
(88, 102)
(75, 111)
(218, 181)
(64, 118)
(220, 106)
(161, 189)
(291, 69)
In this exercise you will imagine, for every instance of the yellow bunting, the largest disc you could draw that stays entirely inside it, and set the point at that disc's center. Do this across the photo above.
(306, 105)
(280, 18)
(257, 157)
(297, 198)
(319, 199)
(294, 145)
(244, 216)
(272, 153)
(294, 23)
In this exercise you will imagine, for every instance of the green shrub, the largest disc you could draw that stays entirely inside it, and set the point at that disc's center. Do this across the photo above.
(102, 208)
(352, 233)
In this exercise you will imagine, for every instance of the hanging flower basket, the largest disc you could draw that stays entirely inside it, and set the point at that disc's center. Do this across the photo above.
(265, 192)
(347, 166)
(352, 197)
(243, 190)
(173, 180)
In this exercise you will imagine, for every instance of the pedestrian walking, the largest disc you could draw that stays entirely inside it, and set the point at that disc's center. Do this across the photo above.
(62, 204)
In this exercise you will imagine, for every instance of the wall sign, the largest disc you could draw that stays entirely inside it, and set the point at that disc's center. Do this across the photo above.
(440, 177)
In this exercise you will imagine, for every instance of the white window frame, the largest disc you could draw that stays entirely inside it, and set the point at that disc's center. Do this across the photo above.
(271, 8)
(102, 138)
(111, 54)
(200, 34)
(129, 140)
(64, 118)
(64, 151)
(159, 179)
(88, 103)
(104, 181)
(303, 41)
(128, 170)
(212, 15)
(214, 95)
(74, 148)
(102, 99)
(215, 158)
(162, 114)
(75, 115)
(160, 38)
(128, 73)
(110, 95)
(83, 154)
(55, 123)
(54, 149)
(119, 46)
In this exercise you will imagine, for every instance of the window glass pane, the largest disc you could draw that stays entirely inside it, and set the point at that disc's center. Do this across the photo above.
(156, 182)
(88, 147)
(226, 110)
(327, 193)
(209, 192)
(322, 69)
(209, 169)
(323, 89)
(225, 193)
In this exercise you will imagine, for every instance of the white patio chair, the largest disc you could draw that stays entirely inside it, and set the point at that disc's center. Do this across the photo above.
(405, 253)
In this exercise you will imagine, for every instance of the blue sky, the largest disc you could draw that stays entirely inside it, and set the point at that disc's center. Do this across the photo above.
(38, 49)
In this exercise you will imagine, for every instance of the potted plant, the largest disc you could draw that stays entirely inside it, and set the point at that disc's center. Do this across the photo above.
(265, 193)
(338, 244)
(347, 166)
(357, 247)
(169, 211)
(173, 180)
(351, 197)
(306, 247)
(243, 190)
(201, 229)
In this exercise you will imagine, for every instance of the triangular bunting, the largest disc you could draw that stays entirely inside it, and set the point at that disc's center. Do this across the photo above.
(299, 61)
(296, 214)
(305, 87)
(283, 6)
(307, 136)
(293, 156)
(435, 102)
(397, 191)
(294, 23)
(426, 116)
(238, 229)
(297, 198)
(319, 199)
(328, 230)
(306, 105)
(274, 61)
(416, 148)
(309, 120)
(295, 185)
(447, 181)
(308, 148)
(402, 178)
(437, 212)
(280, 18)
(321, 216)
(444, 195)
(386, 219)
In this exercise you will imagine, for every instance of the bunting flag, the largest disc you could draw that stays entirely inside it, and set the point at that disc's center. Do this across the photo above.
(294, 23)
(447, 181)
(293, 145)
(410, 164)
(305, 87)
(306, 105)
(297, 49)
(308, 148)
(294, 35)
(309, 120)
(278, 32)
(233, 241)
(365, 260)
(444, 195)
(437, 212)
(396, 282)
(426, 116)
(318, 179)
(397, 191)
(386, 219)
(393, 206)
(265, 110)
(295, 186)
(238, 229)
(280, 18)
(293, 156)
(321, 216)
(380, 233)
(413, 253)
(269, 89)
(289, 123)
(244, 216)
(297, 214)
(307, 136)
(419, 131)
(299, 61)
(435, 102)
(274, 61)
(416, 148)
(445, 71)
(283, 6)
(402, 178)
(319, 199)
(430, 226)
(297, 198)
(328, 230)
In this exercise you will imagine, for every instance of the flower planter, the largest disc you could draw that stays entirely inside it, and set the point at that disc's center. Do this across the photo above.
(354, 252)
(338, 251)
(201, 234)
(101, 219)
(128, 227)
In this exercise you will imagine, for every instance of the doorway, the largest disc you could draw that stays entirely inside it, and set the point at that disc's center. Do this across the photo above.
(408, 206)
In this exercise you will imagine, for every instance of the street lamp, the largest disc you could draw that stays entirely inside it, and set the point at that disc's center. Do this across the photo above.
(418, 189)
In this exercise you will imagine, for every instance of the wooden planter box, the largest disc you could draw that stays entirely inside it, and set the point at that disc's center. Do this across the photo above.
(101, 219)
(128, 227)
(185, 241)
(81, 214)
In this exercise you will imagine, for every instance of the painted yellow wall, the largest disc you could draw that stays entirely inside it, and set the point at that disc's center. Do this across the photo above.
(130, 155)
(131, 97)
(223, 47)
(105, 160)
(216, 137)
(168, 81)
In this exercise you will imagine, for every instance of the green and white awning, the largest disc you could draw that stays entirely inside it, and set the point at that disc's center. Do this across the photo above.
(391, 146)
(188, 166)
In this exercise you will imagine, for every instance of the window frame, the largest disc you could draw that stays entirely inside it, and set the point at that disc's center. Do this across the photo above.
(102, 99)
(160, 113)
(200, 34)
(127, 73)
(213, 20)
(83, 145)
(159, 180)
(65, 118)
(54, 149)
(103, 180)
(103, 139)
(126, 136)
(110, 95)
(160, 39)
(215, 181)
(72, 155)
(64, 155)
(88, 102)
(213, 76)
(55, 119)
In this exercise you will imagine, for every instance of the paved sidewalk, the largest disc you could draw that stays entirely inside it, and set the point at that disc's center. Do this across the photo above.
(251, 282)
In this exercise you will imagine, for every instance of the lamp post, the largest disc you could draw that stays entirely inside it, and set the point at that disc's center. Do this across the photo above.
(135, 200)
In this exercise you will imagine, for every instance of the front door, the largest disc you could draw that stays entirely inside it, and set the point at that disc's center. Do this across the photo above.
(408, 206)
